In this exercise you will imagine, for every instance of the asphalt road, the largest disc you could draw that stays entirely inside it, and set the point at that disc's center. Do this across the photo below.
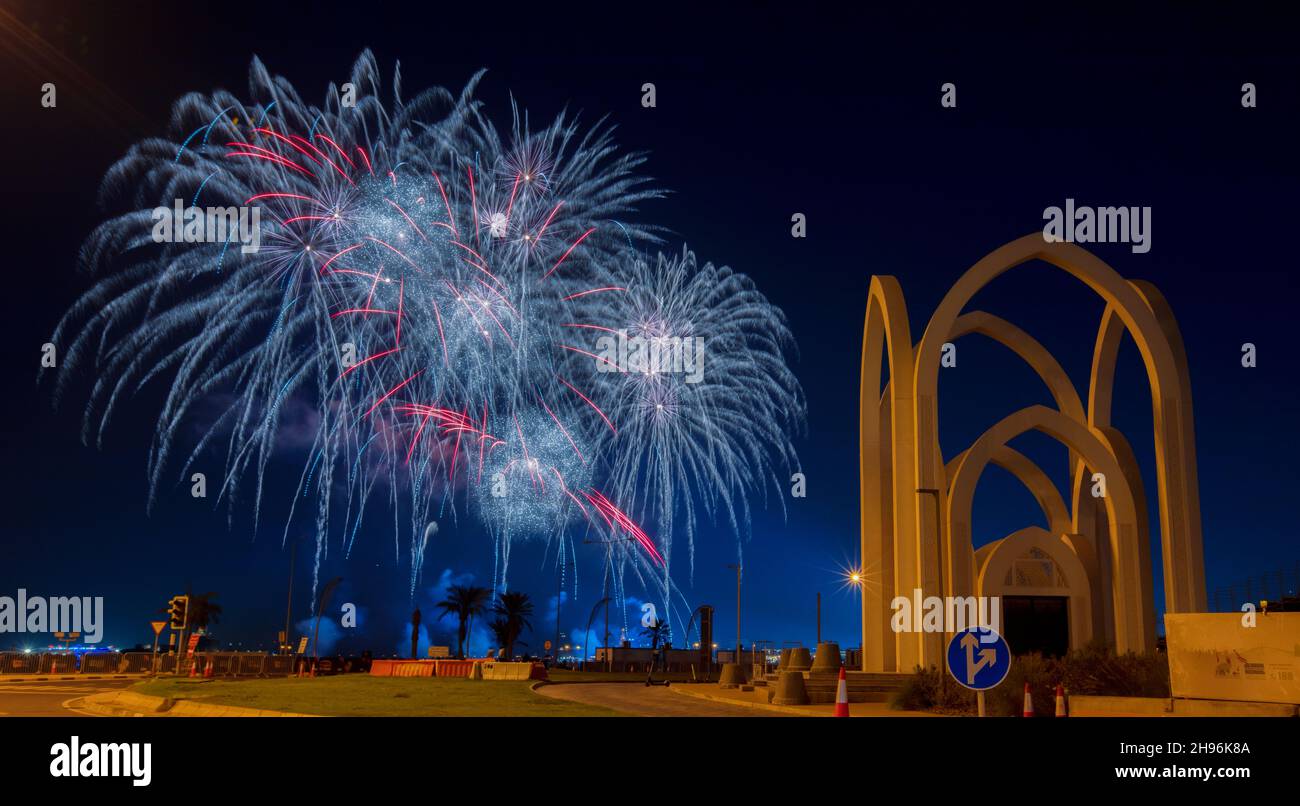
(640, 700)
(49, 698)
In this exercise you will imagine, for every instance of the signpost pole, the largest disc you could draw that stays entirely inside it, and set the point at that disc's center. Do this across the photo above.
(157, 631)
(979, 659)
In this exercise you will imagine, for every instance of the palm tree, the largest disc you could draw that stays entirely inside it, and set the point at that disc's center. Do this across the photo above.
(514, 609)
(466, 601)
(657, 632)
(201, 611)
(500, 633)
(415, 634)
(204, 611)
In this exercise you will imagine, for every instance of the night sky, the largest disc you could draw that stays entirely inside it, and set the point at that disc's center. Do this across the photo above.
(762, 111)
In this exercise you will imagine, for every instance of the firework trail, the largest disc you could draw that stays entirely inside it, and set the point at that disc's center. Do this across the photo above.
(410, 301)
(707, 415)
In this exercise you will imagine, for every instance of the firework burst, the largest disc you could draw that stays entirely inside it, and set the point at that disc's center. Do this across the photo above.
(424, 286)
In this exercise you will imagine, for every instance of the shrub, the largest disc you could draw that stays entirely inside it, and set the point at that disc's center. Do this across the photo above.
(1095, 669)
(925, 691)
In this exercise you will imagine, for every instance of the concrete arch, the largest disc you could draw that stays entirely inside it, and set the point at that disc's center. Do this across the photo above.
(1184, 562)
(1000, 559)
(1030, 350)
(1189, 585)
(1130, 592)
(1091, 529)
(1049, 498)
(889, 550)
(964, 565)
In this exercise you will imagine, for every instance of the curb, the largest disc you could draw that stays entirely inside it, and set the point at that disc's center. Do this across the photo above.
(65, 678)
(785, 709)
(129, 703)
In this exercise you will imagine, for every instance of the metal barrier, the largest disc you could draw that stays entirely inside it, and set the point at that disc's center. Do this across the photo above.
(58, 663)
(223, 664)
(135, 662)
(100, 662)
(19, 663)
(250, 663)
(241, 664)
(278, 665)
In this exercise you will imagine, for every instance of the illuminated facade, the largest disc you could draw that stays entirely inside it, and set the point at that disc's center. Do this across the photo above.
(1094, 556)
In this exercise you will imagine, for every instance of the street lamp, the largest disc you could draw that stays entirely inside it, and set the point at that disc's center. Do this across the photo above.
(737, 568)
(609, 548)
(938, 531)
(855, 578)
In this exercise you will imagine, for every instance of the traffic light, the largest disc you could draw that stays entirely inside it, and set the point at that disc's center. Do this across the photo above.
(176, 608)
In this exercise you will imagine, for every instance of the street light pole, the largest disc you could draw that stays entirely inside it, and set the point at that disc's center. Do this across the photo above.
(609, 661)
(288, 606)
(938, 531)
(609, 570)
(559, 593)
(737, 567)
(819, 618)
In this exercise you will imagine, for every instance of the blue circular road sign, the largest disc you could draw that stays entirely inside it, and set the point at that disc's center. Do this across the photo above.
(979, 658)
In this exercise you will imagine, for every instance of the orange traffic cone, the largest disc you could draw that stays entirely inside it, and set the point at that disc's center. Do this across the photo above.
(1060, 701)
(1029, 702)
(207, 670)
(313, 670)
(194, 668)
(302, 672)
(842, 696)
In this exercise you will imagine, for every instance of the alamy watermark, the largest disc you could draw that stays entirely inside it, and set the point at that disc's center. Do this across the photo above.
(180, 224)
(40, 614)
(652, 355)
(77, 759)
(1130, 225)
(945, 614)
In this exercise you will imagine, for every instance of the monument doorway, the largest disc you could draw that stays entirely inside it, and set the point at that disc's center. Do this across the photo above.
(1037, 624)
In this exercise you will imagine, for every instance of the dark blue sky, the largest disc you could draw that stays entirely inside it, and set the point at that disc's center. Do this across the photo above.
(763, 111)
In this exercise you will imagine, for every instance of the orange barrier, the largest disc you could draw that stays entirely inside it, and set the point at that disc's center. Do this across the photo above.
(458, 668)
(421, 668)
(401, 668)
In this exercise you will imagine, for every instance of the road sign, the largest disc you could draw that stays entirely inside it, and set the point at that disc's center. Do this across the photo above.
(440, 652)
(979, 658)
(547, 646)
(157, 627)
(302, 645)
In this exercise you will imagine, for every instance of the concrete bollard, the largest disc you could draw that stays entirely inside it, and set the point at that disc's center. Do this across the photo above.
(828, 657)
(476, 671)
(790, 689)
(800, 660)
(733, 676)
(785, 659)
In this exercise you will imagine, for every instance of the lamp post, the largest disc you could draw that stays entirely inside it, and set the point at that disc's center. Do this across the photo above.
(737, 568)
(938, 531)
(855, 577)
(609, 569)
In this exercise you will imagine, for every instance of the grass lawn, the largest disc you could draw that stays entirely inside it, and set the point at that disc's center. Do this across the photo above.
(363, 695)
(567, 676)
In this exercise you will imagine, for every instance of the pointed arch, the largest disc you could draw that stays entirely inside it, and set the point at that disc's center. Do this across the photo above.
(1130, 591)
(1188, 584)
(884, 455)
(1000, 557)
(1184, 561)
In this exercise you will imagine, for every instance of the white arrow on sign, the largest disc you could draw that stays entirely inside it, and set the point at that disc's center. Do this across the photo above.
(987, 657)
